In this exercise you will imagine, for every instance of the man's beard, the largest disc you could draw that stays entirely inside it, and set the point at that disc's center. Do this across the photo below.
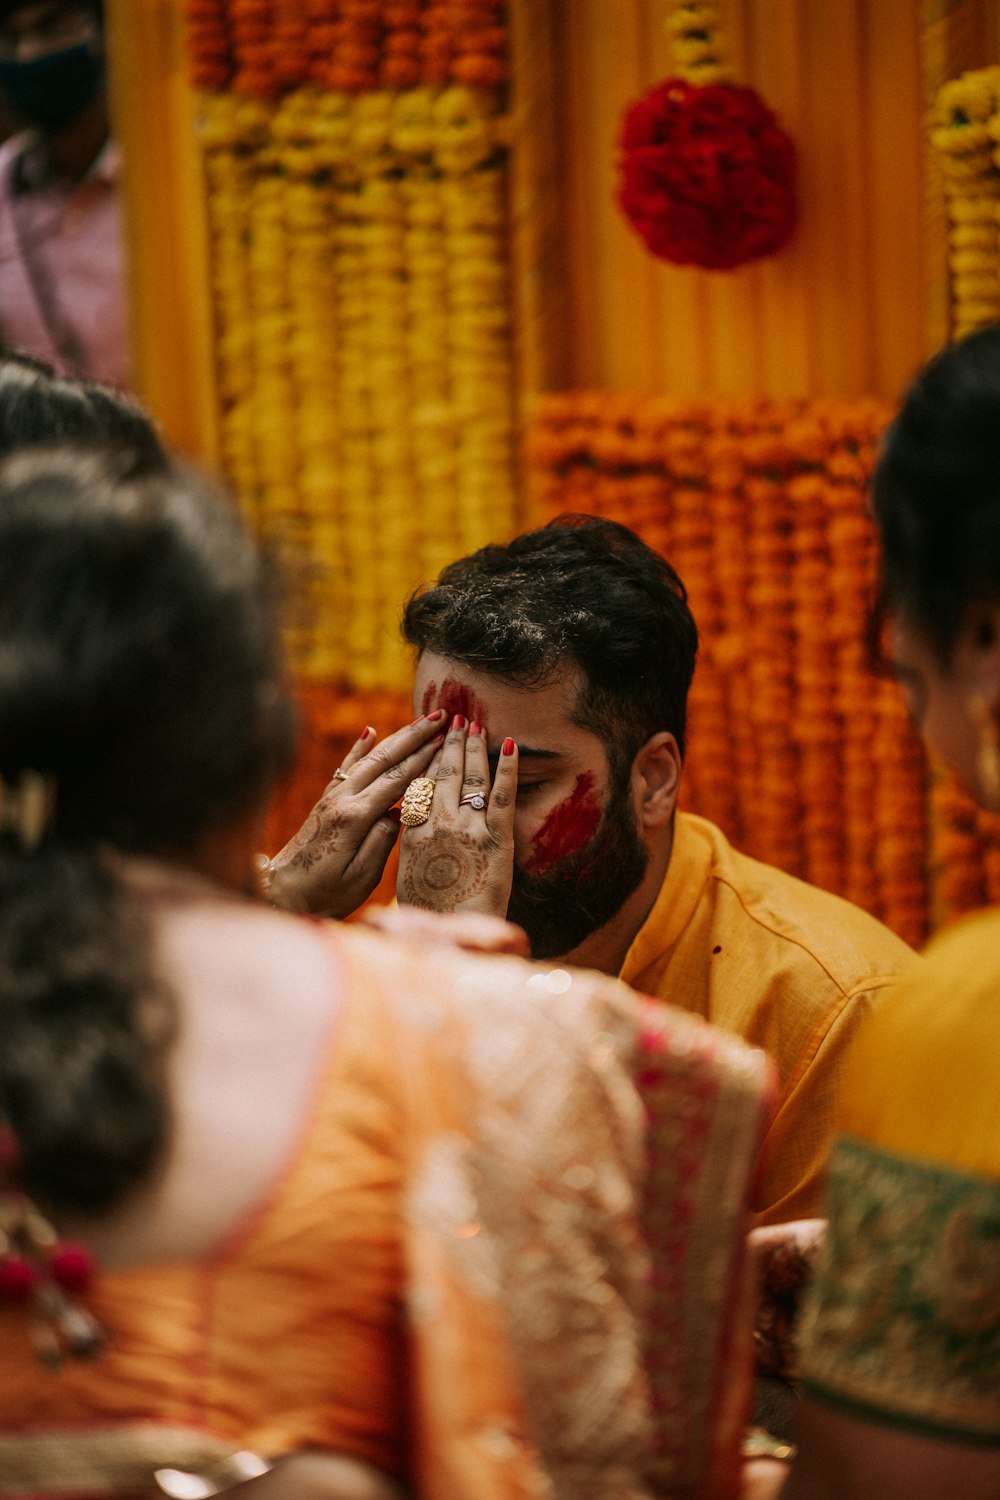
(586, 889)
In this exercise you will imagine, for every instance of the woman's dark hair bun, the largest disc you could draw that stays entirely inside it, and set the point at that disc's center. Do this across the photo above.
(141, 673)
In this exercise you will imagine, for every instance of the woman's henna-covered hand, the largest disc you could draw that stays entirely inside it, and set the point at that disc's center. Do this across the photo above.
(462, 858)
(448, 866)
(785, 1257)
(336, 859)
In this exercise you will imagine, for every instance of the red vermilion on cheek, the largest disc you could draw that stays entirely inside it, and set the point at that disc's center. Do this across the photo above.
(567, 828)
(455, 698)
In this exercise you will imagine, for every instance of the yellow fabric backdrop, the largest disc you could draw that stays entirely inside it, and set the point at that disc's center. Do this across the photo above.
(166, 235)
(857, 300)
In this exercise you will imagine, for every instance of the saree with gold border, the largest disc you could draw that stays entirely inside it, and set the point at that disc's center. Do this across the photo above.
(507, 1261)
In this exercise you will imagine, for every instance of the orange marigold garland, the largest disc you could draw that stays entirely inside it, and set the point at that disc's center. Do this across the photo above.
(210, 43)
(707, 175)
(263, 48)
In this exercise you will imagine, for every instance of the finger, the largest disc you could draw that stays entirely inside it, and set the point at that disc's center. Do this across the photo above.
(375, 799)
(474, 931)
(368, 865)
(518, 943)
(407, 829)
(385, 918)
(476, 777)
(378, 759)
(775, 1248)
(407, 922)
(478, 932)
(360, 748)
(435, 765)
(503, 797)
(451, 765)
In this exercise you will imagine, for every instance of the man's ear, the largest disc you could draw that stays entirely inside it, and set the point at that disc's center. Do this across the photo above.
(656, 779)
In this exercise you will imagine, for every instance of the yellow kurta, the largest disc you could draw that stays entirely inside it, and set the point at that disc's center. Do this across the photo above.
(788, 967)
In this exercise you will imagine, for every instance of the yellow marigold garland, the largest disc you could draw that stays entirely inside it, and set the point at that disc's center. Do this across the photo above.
(965, 131)
(695, 41)
(360, 276)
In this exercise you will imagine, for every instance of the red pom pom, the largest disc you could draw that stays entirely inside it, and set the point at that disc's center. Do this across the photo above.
(18, 1278)
(71, 1266)
(707, 174)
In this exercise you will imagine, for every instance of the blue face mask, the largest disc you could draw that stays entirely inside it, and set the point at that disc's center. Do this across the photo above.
(50, 91)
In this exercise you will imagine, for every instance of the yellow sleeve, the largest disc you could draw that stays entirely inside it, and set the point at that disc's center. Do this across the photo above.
(797, 1148)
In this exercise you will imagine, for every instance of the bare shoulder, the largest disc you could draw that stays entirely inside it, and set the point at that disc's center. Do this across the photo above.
(227, 954)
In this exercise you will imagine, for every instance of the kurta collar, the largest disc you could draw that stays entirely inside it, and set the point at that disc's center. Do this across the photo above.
(690, 861)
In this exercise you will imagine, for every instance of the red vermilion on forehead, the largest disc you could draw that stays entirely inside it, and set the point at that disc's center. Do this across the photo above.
(567, 828)
(455, 698)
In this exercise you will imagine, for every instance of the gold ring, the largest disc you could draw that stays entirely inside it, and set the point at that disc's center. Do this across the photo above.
(340, 774)
(416, 805)
(473, 799)
(264, 867)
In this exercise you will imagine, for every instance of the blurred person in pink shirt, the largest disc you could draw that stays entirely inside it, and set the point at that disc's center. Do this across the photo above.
(62, 284)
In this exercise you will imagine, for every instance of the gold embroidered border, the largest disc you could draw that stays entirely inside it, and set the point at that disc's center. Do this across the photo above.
(706, 1098)
(536, 1202)
(119, 1459)
(904, 1318)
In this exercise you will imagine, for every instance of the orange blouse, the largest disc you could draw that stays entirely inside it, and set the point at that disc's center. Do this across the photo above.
(290, 1335)
(507, 1260)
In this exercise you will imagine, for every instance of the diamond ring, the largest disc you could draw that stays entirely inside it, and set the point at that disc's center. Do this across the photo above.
(474, 799)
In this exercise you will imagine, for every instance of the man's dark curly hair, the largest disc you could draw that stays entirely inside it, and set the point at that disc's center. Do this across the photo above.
(579, 591)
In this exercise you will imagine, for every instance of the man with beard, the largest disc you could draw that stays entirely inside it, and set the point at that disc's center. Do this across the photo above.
(563, 661)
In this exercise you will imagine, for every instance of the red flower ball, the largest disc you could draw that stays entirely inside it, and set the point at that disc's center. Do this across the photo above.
(18, 1278)
(707, 174)
(71, 1266)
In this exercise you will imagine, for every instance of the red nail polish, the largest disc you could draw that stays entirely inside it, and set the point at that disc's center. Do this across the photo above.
(475, 727)
(438, 739)
(458, 722)
(366, 732)
(435, 716)
(507, 748)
